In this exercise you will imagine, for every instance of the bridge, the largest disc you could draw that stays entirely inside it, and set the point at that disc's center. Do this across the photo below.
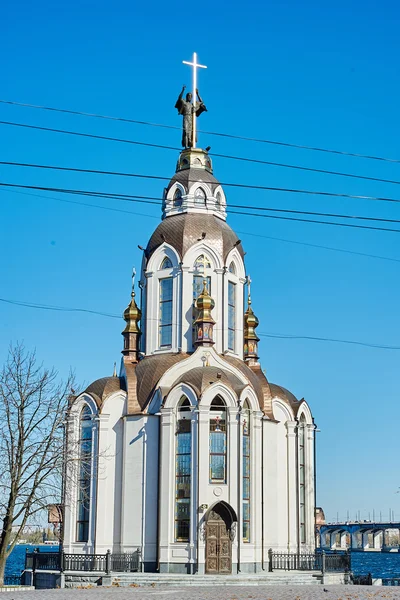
(359, 536)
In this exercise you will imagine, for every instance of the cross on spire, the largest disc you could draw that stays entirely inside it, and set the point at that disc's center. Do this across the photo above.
(195, 66)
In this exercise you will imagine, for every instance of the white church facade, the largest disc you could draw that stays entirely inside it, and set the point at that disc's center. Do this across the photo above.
(190, 454)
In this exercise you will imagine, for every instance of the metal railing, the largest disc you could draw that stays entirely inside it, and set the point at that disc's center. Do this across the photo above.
(318, 561)
(103, 563)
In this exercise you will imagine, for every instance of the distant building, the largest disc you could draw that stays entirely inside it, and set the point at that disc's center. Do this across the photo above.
(195, 457)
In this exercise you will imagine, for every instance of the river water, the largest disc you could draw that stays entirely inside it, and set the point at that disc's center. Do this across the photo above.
(379, 564)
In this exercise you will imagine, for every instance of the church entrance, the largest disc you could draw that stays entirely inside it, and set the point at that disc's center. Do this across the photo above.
(218, 541)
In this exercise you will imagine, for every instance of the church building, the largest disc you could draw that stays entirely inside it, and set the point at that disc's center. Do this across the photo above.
(189, 453)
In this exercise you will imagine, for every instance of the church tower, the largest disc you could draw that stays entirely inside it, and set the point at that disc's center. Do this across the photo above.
(206, 463)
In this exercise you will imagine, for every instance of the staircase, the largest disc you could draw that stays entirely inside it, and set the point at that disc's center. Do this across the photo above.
(179, 580)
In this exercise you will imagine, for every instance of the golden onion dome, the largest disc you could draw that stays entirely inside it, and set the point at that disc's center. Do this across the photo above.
(132, 315)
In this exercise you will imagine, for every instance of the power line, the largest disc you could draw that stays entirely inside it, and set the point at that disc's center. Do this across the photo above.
(226, 184)
(269, 237)
(220, 134)
(149, 200)
(226, 156)
(283, 336)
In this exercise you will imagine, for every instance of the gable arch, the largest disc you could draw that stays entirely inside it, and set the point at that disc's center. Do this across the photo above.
(80, 402)
(165, 250)
(235, 258)
(172, 191)
(278, 406)
(304, 411)
(206, 189)
(249, 394)
(219, 389)
(174, 396)
(201, 248)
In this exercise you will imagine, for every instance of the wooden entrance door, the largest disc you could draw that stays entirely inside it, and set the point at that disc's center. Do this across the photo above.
(218, 546)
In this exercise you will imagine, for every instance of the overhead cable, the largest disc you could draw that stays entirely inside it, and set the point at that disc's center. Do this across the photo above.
(155, 200)
(226, 156)
(226, 135)
(226, 184)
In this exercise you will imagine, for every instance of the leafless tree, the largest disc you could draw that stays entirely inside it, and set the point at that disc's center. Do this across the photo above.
(33, 403)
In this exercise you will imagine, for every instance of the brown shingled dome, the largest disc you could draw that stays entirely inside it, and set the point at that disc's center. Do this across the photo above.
(102, 388)
(184, 230)
(200, 378)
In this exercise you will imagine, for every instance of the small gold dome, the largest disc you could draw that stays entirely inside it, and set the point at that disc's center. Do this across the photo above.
(204, 302)
(132, 316)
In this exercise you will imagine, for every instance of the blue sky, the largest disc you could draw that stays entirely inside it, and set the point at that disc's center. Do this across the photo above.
(312, 73)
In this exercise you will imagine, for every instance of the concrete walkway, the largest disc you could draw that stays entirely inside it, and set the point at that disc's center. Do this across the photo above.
(287, 592)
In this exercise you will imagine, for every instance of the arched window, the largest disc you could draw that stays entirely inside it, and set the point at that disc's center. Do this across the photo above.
(183, 472)
(218, 201)
(218, 441)
(232, 268)
(165, 312)
(202, 262)
(177, 202)
(246, 471)
(85, 472)
(302, 479)
(200, 197)
(231, 315)
(166, 263)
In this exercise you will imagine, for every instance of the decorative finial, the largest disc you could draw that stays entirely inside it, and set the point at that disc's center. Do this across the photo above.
(204, 322)
(251, 339)
(248, 280)
(191, 107)
(133, 282)
(115, 370)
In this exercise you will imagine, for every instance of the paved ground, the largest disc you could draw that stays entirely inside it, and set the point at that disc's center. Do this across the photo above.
(304, 592)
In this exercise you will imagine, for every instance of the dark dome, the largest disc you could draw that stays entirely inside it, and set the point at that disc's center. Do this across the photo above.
(188, 177)
(184, 230)
(101, 388)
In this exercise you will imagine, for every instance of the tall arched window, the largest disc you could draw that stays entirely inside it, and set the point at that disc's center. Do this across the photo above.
(302, 479)
(183, 471)
(200, 197)
(231, 315)
(85, 472)
(165, 312)
(246, 471)
(218, 441)
(177, 202)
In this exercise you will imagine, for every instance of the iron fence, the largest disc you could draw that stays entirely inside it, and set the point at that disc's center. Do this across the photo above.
(103, 563)
(318, 561)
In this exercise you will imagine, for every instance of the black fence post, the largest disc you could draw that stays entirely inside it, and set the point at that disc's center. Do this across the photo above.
(323, 562)
(108, 562)
(270, 560)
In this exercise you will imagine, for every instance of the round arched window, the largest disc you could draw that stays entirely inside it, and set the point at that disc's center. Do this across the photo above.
(200, 197)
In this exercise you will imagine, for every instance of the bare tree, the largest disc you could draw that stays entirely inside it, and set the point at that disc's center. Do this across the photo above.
(33, 404)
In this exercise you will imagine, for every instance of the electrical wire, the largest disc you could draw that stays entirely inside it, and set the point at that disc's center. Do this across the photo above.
(246, 233)
(270, 335)
(216, 133)
(226, 156)
(148, 200)
(226, 184)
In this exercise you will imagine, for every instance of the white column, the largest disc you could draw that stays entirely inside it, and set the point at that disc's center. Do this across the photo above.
(101, 511)
(256, 482)
(310, 482)
(234, 477)
(203, 483)
(292, 486)
(193, 493)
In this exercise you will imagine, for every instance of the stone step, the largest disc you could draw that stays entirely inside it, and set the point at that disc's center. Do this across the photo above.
(172, 580)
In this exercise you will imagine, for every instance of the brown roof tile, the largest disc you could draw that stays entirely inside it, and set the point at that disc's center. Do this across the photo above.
(102, 388)
(184, 230)
(150, 370)
(200, 378)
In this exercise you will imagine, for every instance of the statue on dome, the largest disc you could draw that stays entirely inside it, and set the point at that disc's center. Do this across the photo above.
(188, 108)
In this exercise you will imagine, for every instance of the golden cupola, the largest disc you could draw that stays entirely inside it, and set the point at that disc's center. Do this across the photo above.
(132, 333)
(204, 323)
(251, 339)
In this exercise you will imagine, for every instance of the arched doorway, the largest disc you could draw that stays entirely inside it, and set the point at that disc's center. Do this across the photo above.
(220, 528)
